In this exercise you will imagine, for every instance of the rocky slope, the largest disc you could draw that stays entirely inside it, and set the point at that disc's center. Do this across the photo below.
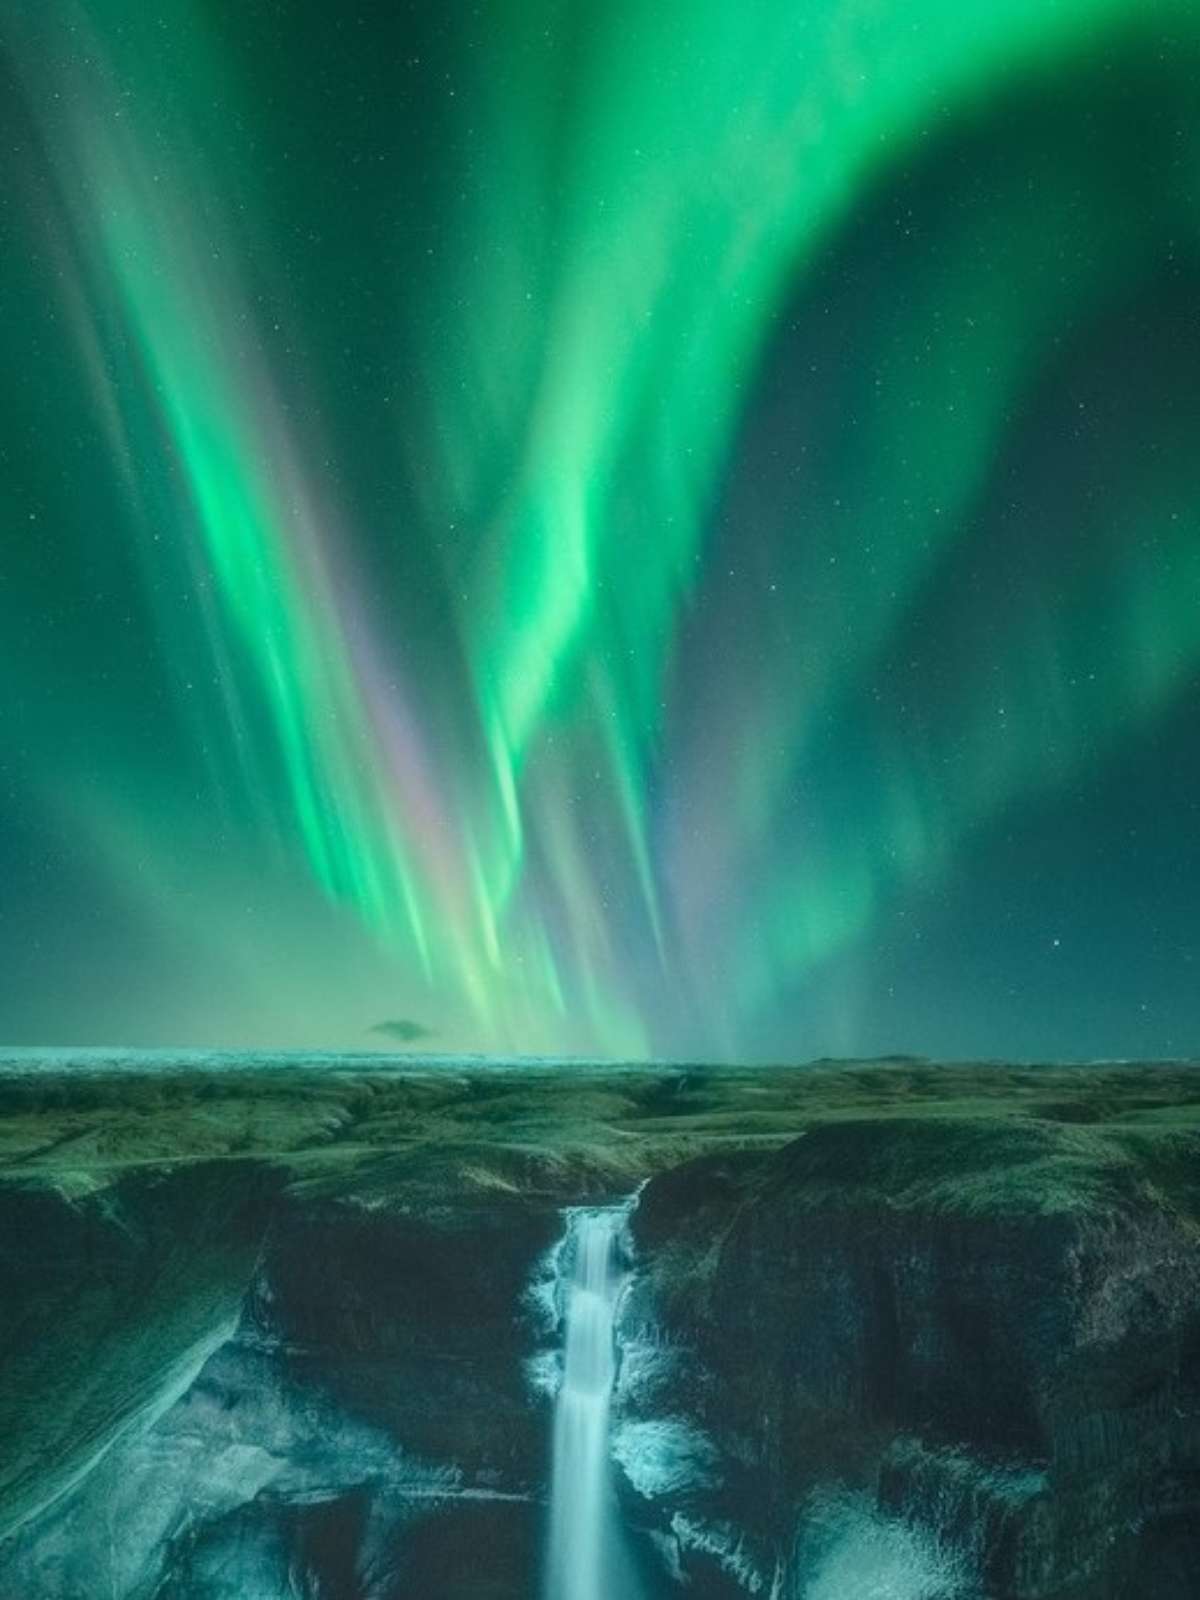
(112, 1298)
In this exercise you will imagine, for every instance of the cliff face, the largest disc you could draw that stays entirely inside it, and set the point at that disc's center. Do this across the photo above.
(992, 1332)
(111, 1299)
(367, 1425)
(929, 1356)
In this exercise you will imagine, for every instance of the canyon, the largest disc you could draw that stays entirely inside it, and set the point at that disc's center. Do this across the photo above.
(368, 1328)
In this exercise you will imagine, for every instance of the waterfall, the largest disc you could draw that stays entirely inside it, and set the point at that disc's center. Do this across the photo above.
(585, 1558)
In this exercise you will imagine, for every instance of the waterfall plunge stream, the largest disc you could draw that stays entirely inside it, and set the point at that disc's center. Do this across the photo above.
(585, 1559)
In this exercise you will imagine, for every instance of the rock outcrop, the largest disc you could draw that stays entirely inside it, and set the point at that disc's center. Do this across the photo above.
(991, 1330)
(112, 1297)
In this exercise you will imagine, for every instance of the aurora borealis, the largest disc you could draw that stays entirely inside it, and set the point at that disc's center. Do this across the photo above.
(657, 528)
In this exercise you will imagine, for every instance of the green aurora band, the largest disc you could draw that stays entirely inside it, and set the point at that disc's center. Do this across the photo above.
(565, 623)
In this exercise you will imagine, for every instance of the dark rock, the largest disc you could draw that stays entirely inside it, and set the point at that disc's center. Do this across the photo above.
(111, 1299)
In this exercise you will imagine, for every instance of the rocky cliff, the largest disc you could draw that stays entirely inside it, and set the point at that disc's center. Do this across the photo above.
(992, 1332)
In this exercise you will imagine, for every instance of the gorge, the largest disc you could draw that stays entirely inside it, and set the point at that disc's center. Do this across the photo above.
(884, 1329)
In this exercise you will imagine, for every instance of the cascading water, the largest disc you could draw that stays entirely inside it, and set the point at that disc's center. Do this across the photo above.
(585, 1558)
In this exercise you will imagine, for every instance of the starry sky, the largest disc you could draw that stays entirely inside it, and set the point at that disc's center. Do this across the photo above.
(655, 528)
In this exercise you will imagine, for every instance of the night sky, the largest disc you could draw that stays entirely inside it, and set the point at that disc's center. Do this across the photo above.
(651, 527)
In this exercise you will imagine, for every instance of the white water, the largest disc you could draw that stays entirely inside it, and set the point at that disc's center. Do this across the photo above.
(854, 1552)
(585, 1560)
